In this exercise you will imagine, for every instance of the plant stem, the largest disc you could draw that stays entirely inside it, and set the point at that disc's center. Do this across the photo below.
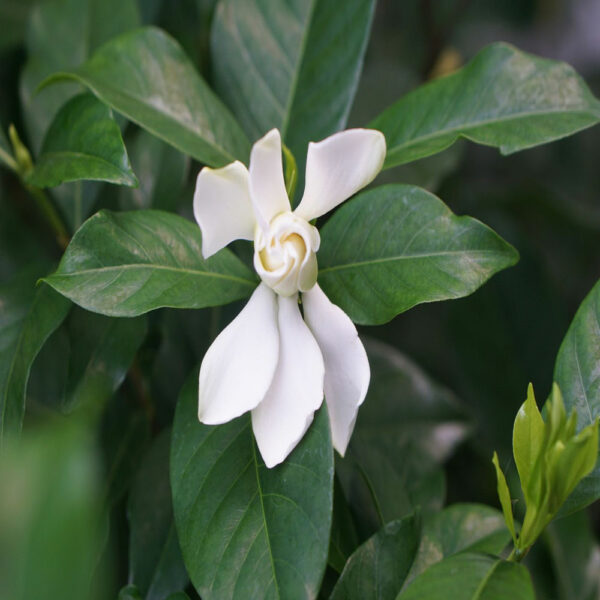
(50, 213)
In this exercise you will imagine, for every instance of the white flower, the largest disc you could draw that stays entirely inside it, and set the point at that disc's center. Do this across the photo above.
(269, 360)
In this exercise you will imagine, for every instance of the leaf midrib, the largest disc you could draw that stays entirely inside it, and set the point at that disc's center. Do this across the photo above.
(151, 266)
(474, 124)
(363, 263)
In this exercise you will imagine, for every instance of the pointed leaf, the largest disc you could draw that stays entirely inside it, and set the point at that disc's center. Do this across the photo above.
(126, 264)
(247, 531)
(378, 568)
(578, 376)
(470, 576)
(528, 438)
(503, 98)
(83, 142)
(24, 328)
(159, 89)
(291, 65)
(504, 496)
(396, 246)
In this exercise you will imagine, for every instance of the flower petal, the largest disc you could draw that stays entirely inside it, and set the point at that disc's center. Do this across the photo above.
(338, 167)
(282, 418)
(222, 207)
(267, 187)
(347, 371)
(238, 368)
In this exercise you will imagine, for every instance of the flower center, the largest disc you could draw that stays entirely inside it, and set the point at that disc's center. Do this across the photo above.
(285, 254)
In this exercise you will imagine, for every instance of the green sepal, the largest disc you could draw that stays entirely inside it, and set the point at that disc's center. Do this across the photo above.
(290, 173)
(505, 501)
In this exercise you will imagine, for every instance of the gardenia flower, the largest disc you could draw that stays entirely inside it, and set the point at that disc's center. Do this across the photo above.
(269, 359)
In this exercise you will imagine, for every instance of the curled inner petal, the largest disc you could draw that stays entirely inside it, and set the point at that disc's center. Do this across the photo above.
(284, 255)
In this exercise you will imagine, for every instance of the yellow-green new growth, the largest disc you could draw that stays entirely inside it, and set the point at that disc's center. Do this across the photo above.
(551, 459)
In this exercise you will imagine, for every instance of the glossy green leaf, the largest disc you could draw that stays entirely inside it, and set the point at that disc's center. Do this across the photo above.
(126, 264)
(407, 426)
(83, 142)
(471, 576)
(503, 98)
(159, 89)
(378, 568)
(247, 531)
(49, 516)
(504, 496)
(528, 439)
(61, 35)
(26, 322)
(291, 65)
(459, 528)
(155, 563)
(576, 372)
(396, 246)
(161, 170)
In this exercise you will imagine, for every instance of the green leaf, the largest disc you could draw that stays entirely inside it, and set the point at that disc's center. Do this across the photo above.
(290, 65)
(576, 372)
(159, 89)
(528, 439)
(407, 426)
(155, 563)
(471, 576)
(378, 568)
(503, 98)
(83, 142)
(126, 264)
(161, 170)
(247, 531)
(396, 246)
(50, 514)
(25, 325)
(61, 35)
(504, 496)
(459, 528)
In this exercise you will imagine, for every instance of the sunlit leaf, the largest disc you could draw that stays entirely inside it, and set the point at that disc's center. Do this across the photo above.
(503, 98)
(159, 89)
(126, 264)
(396, 246)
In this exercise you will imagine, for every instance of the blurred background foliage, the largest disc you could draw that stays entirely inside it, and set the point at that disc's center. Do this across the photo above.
(449, 376)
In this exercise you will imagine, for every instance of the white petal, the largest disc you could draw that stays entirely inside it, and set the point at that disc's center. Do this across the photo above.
(338, 167)
(222, 207)
(347, 371)
(282, 418)
(267, 187)
(238, 368)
